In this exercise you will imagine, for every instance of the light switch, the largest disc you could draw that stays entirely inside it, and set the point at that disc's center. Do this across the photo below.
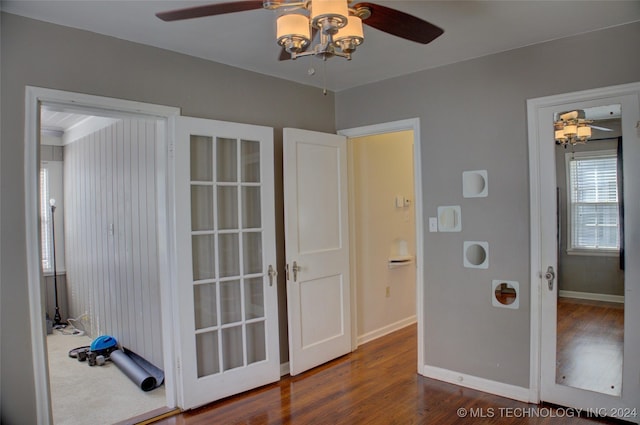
(433, 224)
(399, 201)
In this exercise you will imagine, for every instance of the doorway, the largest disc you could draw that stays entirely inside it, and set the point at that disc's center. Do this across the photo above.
(158, 120)
(402, 265)
(384, 243)
(105, 280)
(569, 222)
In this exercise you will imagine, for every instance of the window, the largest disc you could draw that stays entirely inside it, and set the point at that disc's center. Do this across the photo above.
(593, 202)
(45, 222)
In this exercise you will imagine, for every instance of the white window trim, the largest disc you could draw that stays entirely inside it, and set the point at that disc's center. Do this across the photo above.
(596, 252)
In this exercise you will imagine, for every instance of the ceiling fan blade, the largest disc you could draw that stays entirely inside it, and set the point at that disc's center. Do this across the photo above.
(400, 24)
(600, 128)
(209, 10)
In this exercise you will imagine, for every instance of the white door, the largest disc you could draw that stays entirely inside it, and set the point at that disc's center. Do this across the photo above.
(317, 247)
(225, 238)
(626, 404)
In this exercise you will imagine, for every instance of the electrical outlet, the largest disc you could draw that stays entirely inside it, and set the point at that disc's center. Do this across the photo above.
(388, 293)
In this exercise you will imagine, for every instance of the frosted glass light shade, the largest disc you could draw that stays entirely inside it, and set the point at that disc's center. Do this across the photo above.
(584, 132)
(293, 25)
(351, 33)
(570, 130)
(333, 9)
(560, 135)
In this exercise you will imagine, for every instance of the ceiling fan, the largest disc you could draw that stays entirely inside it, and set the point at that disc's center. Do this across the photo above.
(572, 127)
(334, 25)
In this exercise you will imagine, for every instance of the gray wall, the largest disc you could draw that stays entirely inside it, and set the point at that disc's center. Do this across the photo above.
(584, 273)
(46, 55)
(473, 116)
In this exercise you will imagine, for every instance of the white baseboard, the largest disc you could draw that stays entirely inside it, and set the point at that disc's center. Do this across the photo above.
(284, 369)
(592, 296)
(370, 336)
(481, 384)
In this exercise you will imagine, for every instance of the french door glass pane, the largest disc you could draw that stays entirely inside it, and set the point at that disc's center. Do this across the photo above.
(227, 160)
(207, 353)
(201, 207)
(206, 310)
(232, 348)
(201, 158)
(229, 255)
(227, 207)
(250, 161)
(256, 349)
(254, 298)
(230, 302)
(252, 250)
(251, 211)
(203, 253)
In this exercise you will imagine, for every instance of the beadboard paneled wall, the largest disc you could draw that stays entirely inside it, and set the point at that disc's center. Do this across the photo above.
(110, 232)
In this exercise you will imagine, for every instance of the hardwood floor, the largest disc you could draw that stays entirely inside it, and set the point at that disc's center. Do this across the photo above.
(589, 344)
(376, 384)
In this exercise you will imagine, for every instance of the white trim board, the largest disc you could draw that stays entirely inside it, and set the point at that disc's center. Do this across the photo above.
(480, 384)
(386, 330)
(591, 296)
(34, 97)
(285, 369)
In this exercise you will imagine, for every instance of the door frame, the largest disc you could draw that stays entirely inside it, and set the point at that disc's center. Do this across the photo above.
(538, 167)
(34, 97)
(371, 130)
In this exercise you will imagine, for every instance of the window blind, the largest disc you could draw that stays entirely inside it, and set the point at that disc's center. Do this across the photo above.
(45, 222)
(594, 202)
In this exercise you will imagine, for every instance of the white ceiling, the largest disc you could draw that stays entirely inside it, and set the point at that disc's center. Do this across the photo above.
(246, 39)
(54, 121)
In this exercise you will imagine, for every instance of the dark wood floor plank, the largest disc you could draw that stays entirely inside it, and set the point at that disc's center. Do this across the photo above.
(376, 384)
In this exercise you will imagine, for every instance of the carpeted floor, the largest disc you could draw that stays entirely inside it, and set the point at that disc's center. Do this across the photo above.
(82, 394)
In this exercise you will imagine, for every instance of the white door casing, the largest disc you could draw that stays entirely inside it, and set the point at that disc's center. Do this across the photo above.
(103, 106)
(225, 238)
(317, 247)
(544, 253)
(412, 124)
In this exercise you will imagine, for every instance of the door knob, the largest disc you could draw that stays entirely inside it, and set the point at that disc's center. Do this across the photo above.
(550, 276)
(272, 273)
(295, 269)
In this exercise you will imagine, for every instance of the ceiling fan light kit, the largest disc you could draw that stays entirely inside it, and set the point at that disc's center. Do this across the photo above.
(340, 30)
(571, 128)
(322, 28)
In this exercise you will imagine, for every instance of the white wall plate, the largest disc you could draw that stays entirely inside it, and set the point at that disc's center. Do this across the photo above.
(507, 298)
(475, 255)
(475, 184)
(449, 219)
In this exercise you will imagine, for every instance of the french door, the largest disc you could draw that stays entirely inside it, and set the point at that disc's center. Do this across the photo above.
(225, 238)
(317, 247)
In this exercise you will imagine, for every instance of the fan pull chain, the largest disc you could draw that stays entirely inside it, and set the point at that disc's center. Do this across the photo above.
(324, 76)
